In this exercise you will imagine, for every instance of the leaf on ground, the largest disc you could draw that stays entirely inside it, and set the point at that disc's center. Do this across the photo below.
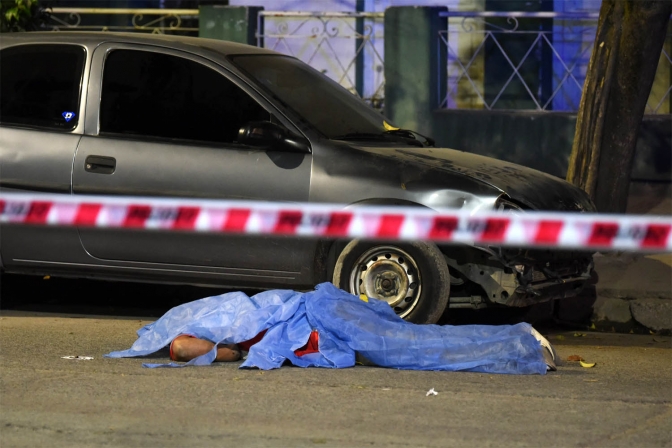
(592, 326)
(587, 365)
(659, 340)
(560, 337)
(574, 358)
(590, 381)
(579, 335)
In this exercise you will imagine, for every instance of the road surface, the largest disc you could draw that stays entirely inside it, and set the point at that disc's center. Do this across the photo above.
(625, 400)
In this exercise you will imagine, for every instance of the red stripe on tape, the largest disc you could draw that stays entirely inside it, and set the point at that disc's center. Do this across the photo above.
(534, 229)
(136, 215)
(288, 221)
(603, 233)
(87, 214)
(548, 231)
(495, 229)
(186, 218)
(236, 219)
(37, 213)
(443, 228)
(390, 225)
(338, 224)
(656, 235)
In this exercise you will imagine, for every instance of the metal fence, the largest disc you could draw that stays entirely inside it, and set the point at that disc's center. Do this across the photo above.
(533, 61)
(345, 46)
(156, 21)
(496, 60)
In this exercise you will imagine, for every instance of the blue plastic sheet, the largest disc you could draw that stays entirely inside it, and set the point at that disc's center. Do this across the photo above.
(345, 325)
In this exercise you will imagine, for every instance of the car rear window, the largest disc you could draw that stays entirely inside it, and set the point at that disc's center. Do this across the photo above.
(41, 85)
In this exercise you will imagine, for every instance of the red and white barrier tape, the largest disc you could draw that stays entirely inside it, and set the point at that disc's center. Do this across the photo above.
(535, 229)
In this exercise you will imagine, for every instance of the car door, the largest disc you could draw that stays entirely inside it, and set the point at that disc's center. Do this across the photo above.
(166, 125)
(40, 127)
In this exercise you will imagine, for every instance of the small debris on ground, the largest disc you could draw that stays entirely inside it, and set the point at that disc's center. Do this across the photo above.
(431, 392)
(574, 358)
(83, 358)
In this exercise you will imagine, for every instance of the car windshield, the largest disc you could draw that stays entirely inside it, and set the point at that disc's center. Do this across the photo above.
(321, 102)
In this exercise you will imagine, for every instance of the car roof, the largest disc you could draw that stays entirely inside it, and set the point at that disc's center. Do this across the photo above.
(93, 39)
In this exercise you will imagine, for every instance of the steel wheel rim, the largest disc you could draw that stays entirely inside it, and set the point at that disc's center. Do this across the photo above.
(388, 273)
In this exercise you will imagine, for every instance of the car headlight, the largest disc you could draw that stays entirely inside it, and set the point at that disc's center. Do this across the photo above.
(504, 204)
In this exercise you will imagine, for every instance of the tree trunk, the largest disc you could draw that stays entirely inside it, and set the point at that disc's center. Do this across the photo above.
(629, 39)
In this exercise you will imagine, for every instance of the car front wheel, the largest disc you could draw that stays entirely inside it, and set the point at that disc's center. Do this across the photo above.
(413, 277)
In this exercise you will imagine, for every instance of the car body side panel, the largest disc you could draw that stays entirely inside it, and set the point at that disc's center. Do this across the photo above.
(34, 161)
(156, 169)
(346, 174)
(533, 188)
(180, 169)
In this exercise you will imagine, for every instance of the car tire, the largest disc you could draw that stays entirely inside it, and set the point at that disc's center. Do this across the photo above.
(412, 277)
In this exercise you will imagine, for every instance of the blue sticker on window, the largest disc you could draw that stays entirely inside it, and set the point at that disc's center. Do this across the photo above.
(68, 116)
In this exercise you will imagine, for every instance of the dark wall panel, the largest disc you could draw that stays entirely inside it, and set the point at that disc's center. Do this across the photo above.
(543, 140)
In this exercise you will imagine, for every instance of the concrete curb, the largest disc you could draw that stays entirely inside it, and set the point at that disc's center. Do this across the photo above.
(634, 293)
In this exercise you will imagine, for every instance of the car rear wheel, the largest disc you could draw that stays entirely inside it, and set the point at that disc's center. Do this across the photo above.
(413, 277)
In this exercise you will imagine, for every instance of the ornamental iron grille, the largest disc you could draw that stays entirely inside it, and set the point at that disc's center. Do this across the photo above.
(155, 21)
(528, 60)
(347, 47)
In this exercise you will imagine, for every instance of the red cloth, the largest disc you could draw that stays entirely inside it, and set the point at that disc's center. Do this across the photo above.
(245, 345)
(311, 346)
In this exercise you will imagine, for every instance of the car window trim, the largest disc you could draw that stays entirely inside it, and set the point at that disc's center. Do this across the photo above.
(177, 141)
(92, 118)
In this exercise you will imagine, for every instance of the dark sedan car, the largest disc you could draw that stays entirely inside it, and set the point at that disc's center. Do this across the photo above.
(121, 114)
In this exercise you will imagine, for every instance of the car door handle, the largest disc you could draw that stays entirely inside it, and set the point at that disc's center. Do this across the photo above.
(100, 164)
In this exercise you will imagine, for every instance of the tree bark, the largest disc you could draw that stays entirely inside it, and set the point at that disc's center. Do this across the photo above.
(629, 39)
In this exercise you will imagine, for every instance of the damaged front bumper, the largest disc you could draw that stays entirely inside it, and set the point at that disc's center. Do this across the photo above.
(522, 278)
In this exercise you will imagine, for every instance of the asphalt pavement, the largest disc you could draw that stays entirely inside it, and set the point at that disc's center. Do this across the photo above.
(45, 400)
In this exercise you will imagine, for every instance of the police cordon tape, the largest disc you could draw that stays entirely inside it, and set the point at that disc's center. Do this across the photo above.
(583, 231)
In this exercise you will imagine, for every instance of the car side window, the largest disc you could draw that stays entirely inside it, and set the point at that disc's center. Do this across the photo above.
(159, 95)
(41, 85)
